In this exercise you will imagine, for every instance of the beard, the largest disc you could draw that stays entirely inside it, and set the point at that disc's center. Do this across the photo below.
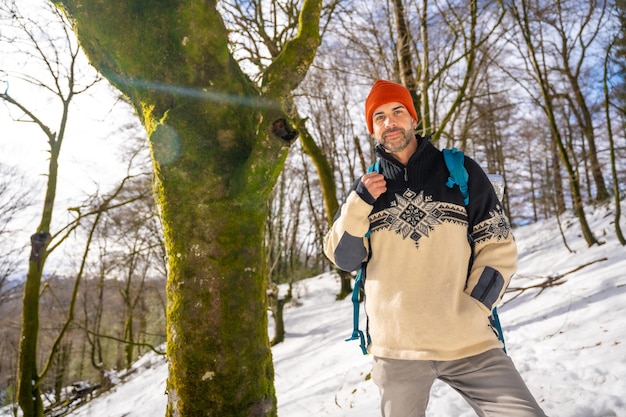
(399, 144)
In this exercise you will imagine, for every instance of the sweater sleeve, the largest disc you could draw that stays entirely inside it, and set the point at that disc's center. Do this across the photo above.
(345, 244)
(494, 247)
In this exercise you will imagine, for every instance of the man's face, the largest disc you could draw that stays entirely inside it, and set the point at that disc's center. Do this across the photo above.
(393, 126)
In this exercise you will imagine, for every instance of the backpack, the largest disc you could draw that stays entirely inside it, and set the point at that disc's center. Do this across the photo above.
(458, 176)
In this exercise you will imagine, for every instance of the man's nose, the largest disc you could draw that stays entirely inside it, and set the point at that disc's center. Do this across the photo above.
(391, 122)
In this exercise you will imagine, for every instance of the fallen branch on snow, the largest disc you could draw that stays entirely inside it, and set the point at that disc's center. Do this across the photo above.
(551, 281)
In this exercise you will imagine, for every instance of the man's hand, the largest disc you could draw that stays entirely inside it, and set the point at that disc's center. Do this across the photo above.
(374, 183)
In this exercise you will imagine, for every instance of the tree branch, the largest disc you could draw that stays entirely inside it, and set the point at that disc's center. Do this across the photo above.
(551, 281)
(289, 68)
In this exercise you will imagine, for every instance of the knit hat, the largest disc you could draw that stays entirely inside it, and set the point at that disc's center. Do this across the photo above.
(384, 92)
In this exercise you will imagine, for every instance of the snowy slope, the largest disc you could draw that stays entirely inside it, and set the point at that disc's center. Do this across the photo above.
(569, 342)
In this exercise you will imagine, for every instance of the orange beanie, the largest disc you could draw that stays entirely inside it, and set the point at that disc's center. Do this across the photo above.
(384, 92)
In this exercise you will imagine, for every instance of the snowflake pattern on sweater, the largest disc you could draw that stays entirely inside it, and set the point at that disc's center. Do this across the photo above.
(414, 216)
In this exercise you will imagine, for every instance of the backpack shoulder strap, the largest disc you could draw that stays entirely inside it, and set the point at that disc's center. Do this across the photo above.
(375, 167)
(359, 285)
(455, 161)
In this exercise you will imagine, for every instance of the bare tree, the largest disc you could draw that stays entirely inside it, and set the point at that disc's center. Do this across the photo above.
(608, 104)
(15, 199)
(281, 224)
(447, 72)
(139, 246)
(63, 60)
(591, 16)
(528, 20)
(66, 76)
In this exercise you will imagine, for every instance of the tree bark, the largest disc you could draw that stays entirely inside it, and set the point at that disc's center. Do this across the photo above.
(571, 68)
(29, 395)
(522, 20)
(218, 144)
(403, 53)
(609, 127)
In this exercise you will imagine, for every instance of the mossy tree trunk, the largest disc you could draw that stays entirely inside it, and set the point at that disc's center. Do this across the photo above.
(218, 144)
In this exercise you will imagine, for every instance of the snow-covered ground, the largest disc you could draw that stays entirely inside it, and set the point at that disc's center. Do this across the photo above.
(569, 341)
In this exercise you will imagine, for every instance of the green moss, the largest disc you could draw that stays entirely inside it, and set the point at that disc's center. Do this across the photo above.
(233, 365)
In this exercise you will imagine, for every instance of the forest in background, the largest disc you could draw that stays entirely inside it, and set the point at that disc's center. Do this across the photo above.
(532, 91)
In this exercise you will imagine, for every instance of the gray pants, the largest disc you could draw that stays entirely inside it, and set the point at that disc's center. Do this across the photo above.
(489, 382)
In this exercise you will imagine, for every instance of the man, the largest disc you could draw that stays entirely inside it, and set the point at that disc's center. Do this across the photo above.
(429, 292)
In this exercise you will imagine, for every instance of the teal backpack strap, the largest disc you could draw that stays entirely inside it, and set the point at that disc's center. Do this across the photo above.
(358, 334)
(495, 323)
(375, 167)
(359, 283)
(455, 161)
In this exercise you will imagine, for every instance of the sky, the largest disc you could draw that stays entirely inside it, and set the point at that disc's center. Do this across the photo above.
(92, 147)
(568, 341)
(93, 143)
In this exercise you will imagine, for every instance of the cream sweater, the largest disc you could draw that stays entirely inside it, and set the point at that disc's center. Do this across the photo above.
(420, 301)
